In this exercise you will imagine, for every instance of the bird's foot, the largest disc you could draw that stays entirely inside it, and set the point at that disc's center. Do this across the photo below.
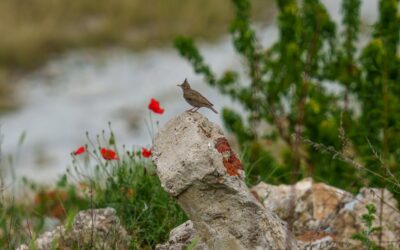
(193, 110)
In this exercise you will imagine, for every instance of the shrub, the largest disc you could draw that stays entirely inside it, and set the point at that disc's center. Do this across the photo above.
(285, 87)
(127, 182)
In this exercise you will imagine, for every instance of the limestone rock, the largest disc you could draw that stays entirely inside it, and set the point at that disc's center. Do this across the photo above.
(332, 212)
(317, 241)
(181, 237)
(197, 166)
(94, 229)
(315, 203)
(348, 219)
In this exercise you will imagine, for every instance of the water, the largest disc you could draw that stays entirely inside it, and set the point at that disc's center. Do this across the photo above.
(84, 90)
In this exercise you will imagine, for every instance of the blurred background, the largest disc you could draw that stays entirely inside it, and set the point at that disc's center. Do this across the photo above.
(70, 67)
(304, 88)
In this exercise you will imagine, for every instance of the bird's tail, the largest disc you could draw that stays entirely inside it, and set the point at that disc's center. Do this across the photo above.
(213, 109)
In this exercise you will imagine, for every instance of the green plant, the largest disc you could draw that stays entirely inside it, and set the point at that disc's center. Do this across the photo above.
(365, 235)
(130, 186)
(22, 220)
(193, 244)
(285, 86)
(146, 210)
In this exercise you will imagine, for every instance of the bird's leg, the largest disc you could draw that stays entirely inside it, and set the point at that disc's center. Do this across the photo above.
(197, 108)
(190, 110)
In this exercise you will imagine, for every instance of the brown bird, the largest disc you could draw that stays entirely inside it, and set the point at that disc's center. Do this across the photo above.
(194, 98)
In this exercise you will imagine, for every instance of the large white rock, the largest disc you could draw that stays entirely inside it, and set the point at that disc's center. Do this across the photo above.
(197, 166)
(348, 220)
(323, 212)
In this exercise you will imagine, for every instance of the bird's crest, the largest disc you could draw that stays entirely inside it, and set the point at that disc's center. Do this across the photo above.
(185, 84)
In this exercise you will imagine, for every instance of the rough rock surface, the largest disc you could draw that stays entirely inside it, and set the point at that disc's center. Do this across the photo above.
(197, 166)
(91, 229)
(325, 217)
(181, 237)
(315, 203)
(317, 241)
(348, 219)
(330, 212)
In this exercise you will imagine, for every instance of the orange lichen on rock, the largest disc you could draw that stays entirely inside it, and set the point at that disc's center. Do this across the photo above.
(230, 168)
(222, 145)
(231, 163)
(314, 236)
(235, 161)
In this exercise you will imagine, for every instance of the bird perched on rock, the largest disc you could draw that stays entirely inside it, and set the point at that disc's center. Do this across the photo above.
(194, 98)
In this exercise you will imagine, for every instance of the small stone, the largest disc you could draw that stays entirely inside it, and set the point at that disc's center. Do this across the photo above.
(94, 229)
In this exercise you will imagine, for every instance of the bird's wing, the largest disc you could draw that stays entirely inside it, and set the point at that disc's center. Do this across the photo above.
(202, 99)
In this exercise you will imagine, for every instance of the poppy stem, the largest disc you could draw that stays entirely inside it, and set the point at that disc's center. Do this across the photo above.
(152, 128)
(148, 127)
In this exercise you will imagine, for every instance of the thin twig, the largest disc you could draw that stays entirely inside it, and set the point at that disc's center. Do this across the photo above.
(337, 154)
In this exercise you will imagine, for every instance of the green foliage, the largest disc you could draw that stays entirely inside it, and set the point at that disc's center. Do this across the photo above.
(21, 221)
(131, 187)
(193, 244)
(146, 210)
(194, 57)
(128, 185)
(286, 89)
(364, 236)
(11, 221)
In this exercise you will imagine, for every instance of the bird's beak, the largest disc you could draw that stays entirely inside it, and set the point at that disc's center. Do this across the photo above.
(179, 85)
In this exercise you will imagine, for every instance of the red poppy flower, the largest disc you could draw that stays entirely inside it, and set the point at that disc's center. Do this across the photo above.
(154, 106)
(108, 154)
(146, 152)
(80, 150)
